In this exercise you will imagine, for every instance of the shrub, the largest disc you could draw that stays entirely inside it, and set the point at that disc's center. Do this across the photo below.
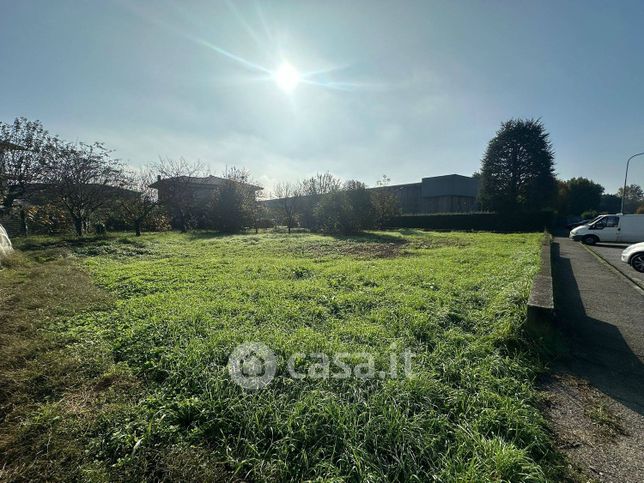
(525, 222)
(589, 214)
(47, 219)
(346, 211)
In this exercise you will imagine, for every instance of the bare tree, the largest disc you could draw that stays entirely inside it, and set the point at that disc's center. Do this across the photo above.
(144, 200)
(20, 168)
(84, 178)
(175, 193)
(287, 195)
(320, 184)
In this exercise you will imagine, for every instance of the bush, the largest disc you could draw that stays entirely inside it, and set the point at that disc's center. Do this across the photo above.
(640, 210)
(157, 221)
(47, 219)
(524, 222)
(346, 211)
(590, 214)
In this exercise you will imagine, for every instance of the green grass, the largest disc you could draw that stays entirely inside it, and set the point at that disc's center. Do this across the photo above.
(127, 379)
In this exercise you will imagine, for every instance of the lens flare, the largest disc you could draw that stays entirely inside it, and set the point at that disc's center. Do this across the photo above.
(286, 77)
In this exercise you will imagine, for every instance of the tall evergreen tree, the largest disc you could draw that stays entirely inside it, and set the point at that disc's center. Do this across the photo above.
(579, 195)
(517, 172)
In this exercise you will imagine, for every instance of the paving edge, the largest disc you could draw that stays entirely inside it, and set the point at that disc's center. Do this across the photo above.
(637, 285)
(541, 303)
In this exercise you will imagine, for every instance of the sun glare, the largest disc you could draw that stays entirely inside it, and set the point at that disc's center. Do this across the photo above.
(286, 77)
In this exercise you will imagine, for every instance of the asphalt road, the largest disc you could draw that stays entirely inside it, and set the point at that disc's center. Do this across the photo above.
(603, 314)
(612, 253)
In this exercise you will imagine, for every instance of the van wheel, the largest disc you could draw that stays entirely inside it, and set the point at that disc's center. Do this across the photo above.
(589, 240)
(637, 262)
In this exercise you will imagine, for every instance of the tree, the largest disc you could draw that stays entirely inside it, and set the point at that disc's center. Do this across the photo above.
(84, 178)
(348, 210)
(311, 190)
(634, 197)
(259, 211)
(610, 203)
(233, 204)
(287, 195)
(385, 203)
(517, 171)
(19, 169)
(580, 195)
(178, 198)
(143, 202)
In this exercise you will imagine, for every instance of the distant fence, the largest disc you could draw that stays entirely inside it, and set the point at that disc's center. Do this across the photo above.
(522, 222)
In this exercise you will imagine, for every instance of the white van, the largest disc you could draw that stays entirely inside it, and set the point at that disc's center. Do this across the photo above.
(611, 228)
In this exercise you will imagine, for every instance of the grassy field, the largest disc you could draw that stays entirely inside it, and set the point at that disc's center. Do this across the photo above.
(115, 366)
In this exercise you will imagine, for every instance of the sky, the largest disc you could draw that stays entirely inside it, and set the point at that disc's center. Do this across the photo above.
(404, 88)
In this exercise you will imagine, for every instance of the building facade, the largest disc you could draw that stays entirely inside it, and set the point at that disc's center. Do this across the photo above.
(452, 193)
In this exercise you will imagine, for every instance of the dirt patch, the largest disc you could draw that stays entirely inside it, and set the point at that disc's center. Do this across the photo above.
(602, 439)
(362, 250)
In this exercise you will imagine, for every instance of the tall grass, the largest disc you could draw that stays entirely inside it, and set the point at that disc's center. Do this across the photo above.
(147, 395)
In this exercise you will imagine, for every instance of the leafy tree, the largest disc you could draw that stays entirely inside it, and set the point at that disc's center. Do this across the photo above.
(610, 203)
(517, 171)
(259, 213)
(310, 191)
(139, 207)
(385, 203)
(234, 202)
(579, 195)
(589, 214)
(348, 210)
(634, 197)
(362, 213)
(84, 178)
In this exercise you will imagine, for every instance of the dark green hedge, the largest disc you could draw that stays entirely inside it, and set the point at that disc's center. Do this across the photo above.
(519, 222)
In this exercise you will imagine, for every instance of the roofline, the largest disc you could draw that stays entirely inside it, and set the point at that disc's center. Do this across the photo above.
(191, 181)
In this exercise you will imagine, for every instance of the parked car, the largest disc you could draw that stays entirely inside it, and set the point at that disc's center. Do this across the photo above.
(611, 228)
(634, 256)
(575, 224)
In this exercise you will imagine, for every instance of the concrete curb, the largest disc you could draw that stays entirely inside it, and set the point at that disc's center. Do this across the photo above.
(541, 304)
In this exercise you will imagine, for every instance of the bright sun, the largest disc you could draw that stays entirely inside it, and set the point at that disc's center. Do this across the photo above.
(286, 77)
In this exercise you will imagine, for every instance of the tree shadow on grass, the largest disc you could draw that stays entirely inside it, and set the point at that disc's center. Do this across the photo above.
(370, 237)
(32, 244)
(598, 351)
(209, 234)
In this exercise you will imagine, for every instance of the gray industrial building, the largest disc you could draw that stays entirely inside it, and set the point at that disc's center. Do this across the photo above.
(452, 193)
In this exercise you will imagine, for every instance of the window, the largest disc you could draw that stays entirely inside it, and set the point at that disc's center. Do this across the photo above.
(611, 221)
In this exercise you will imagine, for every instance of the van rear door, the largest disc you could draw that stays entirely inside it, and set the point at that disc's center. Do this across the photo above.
(631, 229)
